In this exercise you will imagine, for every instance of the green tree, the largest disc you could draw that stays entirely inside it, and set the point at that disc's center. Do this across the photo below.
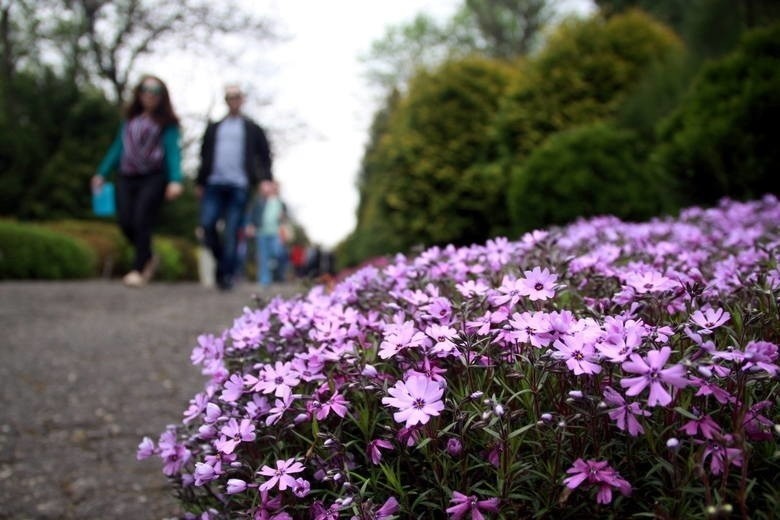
(582, 75)
(425, 186)
(722, 139)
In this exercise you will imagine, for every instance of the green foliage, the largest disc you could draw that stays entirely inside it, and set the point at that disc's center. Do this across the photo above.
(114, 255)
(51, 144)
(30, 251)
(178, 259)
(722, 140)
(582, 75)
(430, 189)
(592, 170)
(105, 240)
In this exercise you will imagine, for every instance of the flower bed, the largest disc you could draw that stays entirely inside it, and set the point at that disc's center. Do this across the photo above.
(601, 369)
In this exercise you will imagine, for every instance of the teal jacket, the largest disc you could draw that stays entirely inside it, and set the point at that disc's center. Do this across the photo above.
(171, 154)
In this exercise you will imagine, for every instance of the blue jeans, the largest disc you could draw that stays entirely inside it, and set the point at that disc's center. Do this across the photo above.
(271, 259)
(227, 203)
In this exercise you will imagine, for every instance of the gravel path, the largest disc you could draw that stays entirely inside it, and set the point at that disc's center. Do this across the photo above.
(86, 370)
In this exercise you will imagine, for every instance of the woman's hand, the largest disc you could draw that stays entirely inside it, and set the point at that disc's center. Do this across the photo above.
(173, 190)
(96, 182)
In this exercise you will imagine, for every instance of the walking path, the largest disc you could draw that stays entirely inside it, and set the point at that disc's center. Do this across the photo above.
(86, 370)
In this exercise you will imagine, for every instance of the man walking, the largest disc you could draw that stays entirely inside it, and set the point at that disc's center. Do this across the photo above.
(235, 156)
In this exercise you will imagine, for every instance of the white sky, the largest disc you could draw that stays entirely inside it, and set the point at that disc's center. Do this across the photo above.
(308, 92)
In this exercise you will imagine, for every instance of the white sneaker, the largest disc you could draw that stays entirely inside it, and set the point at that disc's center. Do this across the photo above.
(133, 279)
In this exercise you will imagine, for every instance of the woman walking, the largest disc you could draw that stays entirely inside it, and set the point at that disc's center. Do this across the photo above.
(147, 157)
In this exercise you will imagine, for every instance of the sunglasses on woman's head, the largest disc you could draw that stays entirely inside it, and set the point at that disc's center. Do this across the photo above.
(152, 89)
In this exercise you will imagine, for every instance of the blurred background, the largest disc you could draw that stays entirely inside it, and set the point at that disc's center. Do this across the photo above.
(395, 125)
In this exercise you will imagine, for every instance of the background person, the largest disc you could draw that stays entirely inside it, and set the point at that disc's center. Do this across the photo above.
(235, 156)
(147, 155)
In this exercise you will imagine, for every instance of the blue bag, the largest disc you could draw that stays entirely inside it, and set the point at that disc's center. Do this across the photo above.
(103, 204)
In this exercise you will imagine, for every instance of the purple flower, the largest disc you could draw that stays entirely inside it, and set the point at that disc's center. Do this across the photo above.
(301, 488)
(464, 504)
(280, 475)
(597, 473)
(233, 434)
(373, 449)
(580, 356)
(624, 414)
(235, 485)
(388, 509)
(234, 388)
(704, 425)
(279, 379)
(709, 319)
(145, 449)
(654, 375)
(417, 399)
(400, 337)
(538, 284)
(454, 447)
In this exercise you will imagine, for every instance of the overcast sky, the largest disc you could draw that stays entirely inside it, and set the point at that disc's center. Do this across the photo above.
(309, 91)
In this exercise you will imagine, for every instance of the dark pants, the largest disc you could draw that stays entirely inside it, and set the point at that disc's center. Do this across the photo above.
(138, 201)
(227, 203)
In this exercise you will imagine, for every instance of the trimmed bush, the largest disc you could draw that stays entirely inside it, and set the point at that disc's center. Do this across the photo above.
(178, 260)
(592, 170)
(601, 370)
(28, 251)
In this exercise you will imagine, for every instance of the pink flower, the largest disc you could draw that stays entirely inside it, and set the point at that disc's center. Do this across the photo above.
(234, 433)
(234, 388)
(651, 281)
(373, 449)
(597, 473)
(704, 424)
(463, 504)
(400, 337)
(624, 414)
(710, 319)
(417, 399)
(652, 373)
(336, 404)
(281, 474)
(280, 379)
(235, 485)
(538, 284)
(580, 357)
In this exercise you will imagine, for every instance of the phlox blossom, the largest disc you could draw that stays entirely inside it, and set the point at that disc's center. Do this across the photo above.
(233, 434)
(624, 414)
(652, 373)
(464, 504)
(580, 356)
(373, 449)
(417, 399)
(281, 475)
(597, 473)
(709, 319)
(538, 284)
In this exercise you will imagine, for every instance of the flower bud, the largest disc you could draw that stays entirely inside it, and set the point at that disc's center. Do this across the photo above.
(672, 443)
(454, 447)
(547, 417)
(576, 394)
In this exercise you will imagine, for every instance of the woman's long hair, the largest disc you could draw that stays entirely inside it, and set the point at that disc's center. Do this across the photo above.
(163, 114)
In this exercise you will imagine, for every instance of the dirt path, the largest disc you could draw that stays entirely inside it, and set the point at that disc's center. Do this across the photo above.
(86, 370)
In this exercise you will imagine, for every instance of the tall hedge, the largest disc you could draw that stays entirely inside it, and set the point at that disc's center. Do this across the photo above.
(582, 75)
(723, 139)
(426, 187)
(593, 170)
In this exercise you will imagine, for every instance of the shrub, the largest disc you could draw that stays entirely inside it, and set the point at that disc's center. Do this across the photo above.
(582, 75)
(722, 140)
(114, 254)
(592, 170)
(549, 377)
(30, 251)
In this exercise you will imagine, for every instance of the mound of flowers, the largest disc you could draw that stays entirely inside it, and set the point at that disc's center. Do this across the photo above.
(601, 369)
